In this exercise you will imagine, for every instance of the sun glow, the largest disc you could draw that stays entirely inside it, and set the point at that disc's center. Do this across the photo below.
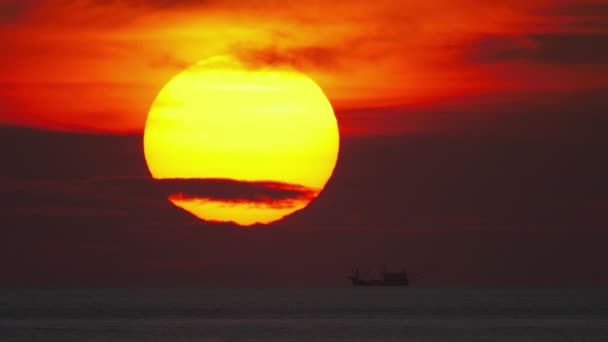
(220, 119)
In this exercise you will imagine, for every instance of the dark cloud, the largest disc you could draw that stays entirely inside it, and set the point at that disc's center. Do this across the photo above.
(593, 24)
(300, 58)
(87, 13)
(558, 48)
(12, 11)
(497, 48)
(165, 3)
(226, 190)
(67, 212)
(305, 57)
(37, 154)
(579, 9)
(572, 48)
(578, 16)
(576, 116)
(115, 13)
(274, 194)
(115, 196)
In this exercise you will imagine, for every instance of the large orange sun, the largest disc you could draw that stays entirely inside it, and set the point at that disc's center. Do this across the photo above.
(220, 119)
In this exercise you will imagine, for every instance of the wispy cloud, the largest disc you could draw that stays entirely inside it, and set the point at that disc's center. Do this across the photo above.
(304, 57)
(550, 48)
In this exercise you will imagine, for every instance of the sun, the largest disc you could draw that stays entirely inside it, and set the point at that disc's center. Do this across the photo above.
(221, 119)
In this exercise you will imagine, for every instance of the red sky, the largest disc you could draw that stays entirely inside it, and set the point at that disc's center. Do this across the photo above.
(473, 148)
(97, 65)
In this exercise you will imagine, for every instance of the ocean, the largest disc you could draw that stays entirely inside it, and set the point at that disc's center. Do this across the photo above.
(310, 314)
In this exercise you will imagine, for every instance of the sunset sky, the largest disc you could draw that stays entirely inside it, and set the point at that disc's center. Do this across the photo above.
(97, 65)
(473, 141)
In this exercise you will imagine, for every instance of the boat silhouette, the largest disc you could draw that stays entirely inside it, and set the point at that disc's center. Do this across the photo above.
(387, 279)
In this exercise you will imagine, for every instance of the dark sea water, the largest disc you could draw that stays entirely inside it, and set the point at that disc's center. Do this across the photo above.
(337, 314)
